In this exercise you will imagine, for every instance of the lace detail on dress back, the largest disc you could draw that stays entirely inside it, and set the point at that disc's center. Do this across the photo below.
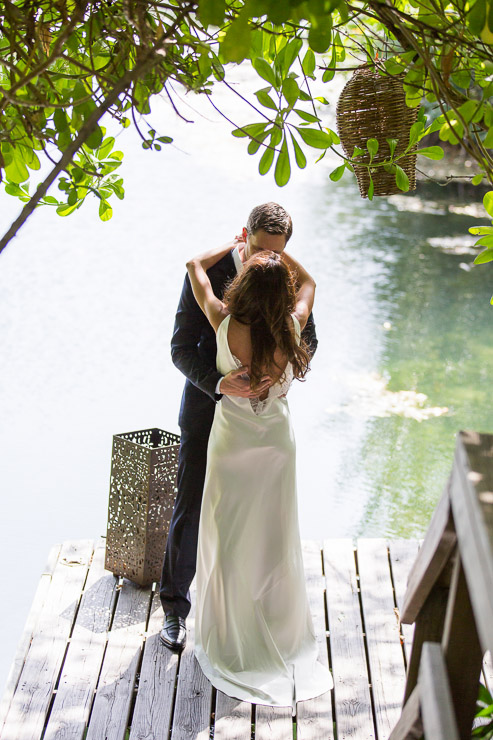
(275, 391)
(281, 387)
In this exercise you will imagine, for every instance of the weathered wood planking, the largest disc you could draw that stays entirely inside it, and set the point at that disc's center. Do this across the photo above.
(192, 716)
(402, 557)
(31, 701)
(437, 710)
(233, 718)
(70, 712)
(382, 634)
(273, 723)
(27, 634)
(152, 715)
(111, 708)
(314, 716)
(353, 709)
(172, 697)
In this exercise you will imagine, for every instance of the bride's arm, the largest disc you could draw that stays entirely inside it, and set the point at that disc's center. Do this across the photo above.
(305, 294)
(214, 309)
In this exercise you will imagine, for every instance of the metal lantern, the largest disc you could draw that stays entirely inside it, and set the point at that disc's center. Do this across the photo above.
(144, 466)
(373, 106)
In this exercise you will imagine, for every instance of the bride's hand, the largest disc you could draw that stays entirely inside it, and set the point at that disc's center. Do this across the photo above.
(235, 383)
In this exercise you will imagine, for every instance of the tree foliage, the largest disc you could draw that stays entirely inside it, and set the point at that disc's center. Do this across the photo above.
(64, 64)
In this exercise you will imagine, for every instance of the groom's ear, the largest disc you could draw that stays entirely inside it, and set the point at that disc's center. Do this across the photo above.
(244, 233)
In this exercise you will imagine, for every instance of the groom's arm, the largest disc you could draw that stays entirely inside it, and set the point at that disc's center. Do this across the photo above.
(189, 323)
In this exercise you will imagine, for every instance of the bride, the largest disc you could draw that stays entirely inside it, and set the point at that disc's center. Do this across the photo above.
(254, 637)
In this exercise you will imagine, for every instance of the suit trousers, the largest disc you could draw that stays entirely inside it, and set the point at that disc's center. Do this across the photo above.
(181, 547)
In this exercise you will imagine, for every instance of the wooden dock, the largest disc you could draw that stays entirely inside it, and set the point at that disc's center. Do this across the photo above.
(90, 665)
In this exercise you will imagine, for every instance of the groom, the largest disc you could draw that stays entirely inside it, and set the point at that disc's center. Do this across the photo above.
(193, 351)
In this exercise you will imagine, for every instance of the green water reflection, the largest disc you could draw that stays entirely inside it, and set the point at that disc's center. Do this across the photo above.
(438, 342)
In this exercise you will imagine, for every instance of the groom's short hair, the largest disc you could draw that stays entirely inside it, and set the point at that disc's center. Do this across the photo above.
(272, 218)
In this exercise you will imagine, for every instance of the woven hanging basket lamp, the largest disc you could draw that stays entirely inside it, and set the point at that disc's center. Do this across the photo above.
(373, 106)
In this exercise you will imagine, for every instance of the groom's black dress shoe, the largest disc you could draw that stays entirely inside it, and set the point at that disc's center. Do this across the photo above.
(174, 633)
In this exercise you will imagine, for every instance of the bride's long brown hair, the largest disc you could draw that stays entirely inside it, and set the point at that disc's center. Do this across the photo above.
(263, 295)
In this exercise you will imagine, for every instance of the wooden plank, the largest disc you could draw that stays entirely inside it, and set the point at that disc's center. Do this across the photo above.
(192, 715)
(273, 723)
(111, 707)
(154, 703)
(27, 634)
(434, 554)
(73, 701)
(462, 651)
(402, 557)
(473, 516)
(382, 634)
(410, 725)
(437, 710)
(30, 704)
(233, 718)
(354, 717)
(314, 716)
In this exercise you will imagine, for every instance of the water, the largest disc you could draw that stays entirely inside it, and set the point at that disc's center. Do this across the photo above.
(86, 317)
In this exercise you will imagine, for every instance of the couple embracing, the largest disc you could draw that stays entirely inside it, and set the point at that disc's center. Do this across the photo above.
(243, 332)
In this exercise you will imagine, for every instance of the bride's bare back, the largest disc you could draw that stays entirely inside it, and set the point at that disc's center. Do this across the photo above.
(240, 344)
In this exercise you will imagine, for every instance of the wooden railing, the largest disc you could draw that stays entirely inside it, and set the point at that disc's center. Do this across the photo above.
(450, 599)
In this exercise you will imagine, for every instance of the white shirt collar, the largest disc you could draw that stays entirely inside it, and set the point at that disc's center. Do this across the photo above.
(237, 260)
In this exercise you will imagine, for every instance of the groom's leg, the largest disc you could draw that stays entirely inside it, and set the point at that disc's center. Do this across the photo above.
(181, 548)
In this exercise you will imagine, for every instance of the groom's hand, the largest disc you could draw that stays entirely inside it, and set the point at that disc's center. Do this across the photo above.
(236, 384)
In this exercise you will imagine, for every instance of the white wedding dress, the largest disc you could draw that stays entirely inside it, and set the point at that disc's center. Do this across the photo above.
(254, 637)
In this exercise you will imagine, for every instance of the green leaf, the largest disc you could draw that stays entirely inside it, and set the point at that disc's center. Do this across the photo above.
(372, 146)
(14, 189)
(251, 129)
(266, 161)
(320, 35)
(392, 145)
(298, 153)
(337, 173)
(264, 70)
(60, 120)
(95, 139)
(488, 139)
(371, 189)
(290, 90)
(315, 138)
(357, 152)
(476, 17)
(486, 256)
(478, 179)
(254, 144)
(416, 132)
(401, 179)
(485, 241)
(283, 167)
(211, 12)
(66, 210)
(481, 230)
(106, 147)
(308, 63)
(236, 43)
(16, 171)
(291, 51)
(432, 152)
(105, 210)
(488, 202)
(265, 99)
(305, 116)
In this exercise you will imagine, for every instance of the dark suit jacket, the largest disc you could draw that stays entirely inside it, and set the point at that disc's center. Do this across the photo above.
(193, 351)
